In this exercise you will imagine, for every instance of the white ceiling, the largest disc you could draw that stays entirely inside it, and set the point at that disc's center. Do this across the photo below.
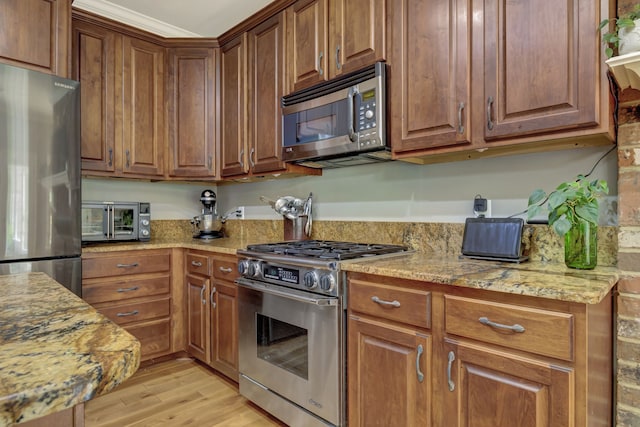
(176, 18)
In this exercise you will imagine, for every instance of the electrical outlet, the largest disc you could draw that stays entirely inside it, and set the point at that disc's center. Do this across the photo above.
(240, 212)
(481, 207)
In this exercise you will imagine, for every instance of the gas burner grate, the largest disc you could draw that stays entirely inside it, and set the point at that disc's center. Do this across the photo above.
(326, 249)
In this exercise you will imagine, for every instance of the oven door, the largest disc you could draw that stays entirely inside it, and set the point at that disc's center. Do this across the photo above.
(290, 344)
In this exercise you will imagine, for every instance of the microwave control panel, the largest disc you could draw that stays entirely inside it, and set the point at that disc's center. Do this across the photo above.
(367, 125)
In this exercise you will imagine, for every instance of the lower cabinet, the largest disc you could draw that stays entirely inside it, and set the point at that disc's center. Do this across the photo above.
(212, 310)
(388, 375)
(436, 355)
(134, 290)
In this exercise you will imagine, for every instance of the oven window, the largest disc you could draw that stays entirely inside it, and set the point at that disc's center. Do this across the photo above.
(313, 128)
(283, 345)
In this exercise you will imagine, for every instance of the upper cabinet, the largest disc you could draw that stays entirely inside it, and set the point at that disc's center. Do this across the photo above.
(122, 102)
(265, 85)
(35, 34)
(191, 100)
(428, 91)
(233, 66)
(252, 83)
(470, 76)
(331, 37)
(143, 107)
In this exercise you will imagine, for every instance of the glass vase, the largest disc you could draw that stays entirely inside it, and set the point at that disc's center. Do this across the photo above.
(581, 246)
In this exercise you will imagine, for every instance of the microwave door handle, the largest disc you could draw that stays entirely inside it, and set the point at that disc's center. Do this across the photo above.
(350, 116)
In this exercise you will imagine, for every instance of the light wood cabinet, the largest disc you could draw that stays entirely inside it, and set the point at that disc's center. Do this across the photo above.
(135, 290)
(212, 311)
(123, 101)
(192, 112)
(469, 79)
(490, 358)
(36, 34)
(330, 37)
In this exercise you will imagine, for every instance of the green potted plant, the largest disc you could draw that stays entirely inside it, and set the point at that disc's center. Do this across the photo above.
(625, 36)
(573, 214)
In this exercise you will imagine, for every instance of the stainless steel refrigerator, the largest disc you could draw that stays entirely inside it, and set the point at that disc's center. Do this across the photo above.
(40, 197)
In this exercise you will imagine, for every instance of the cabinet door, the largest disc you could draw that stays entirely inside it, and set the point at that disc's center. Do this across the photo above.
(35, 34)
(307, 26)
(224, 320)
(198, 324)
(531, 79)
(494, 388)
(232, 107)
(357, 32)
(192, 112)
(143, 108)
(266, 79)
(428, 89)
(94, 67)
(385, 363)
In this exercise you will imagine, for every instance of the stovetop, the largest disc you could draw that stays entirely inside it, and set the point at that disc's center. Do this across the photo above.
(325, 249)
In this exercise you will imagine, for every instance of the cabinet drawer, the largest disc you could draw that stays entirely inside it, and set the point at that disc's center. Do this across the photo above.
(408, 306)
(147, 310)
(199, 264)
(125, 264)
(225, 268)
(154, 337)
(548, 333)
(125, 289)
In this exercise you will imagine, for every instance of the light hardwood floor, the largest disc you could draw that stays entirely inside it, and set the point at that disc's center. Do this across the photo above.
(175, 393)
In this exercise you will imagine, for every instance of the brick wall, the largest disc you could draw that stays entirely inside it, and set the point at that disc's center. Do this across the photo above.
(628, 322)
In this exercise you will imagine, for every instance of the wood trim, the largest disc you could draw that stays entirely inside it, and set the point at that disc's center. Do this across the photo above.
(257, 18)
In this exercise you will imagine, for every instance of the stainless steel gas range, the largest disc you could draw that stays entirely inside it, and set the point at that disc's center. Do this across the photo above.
(292, 327)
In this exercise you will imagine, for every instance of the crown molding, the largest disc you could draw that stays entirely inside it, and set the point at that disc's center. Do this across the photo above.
(130, 17)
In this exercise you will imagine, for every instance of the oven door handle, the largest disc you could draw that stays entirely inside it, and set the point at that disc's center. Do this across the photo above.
(292, 294)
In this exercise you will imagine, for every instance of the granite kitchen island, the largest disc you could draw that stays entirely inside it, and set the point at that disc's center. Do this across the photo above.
(56, 351)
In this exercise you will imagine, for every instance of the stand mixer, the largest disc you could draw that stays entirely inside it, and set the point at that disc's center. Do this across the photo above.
(207, 225)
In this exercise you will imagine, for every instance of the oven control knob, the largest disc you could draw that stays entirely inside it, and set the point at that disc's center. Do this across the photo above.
(327, 282)
(243, 267)
(310, 279)
(254, 268)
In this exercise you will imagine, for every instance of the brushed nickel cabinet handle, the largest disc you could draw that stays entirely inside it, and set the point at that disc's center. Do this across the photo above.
(320, 71)
(515, 328)
(419, 373)
(393, 303)
(204, 301)
(240, 154)
(130, 313)
(196, 263)
(210, 162)
(213, 303)
(338, 65)
(251, 153)
(131, 289)
(489, 113)
(451, 384)
(225, 269)
(128, 158)
(460, 124)
(110, 156)
(135, 264)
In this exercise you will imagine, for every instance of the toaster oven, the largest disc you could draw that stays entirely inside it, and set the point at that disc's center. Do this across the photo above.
(115, 221)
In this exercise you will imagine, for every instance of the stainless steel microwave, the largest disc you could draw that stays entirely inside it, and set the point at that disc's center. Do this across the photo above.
(338, 123)
(115, 221)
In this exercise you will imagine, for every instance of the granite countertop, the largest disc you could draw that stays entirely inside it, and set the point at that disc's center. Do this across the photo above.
(538, 279)
(56, 351)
